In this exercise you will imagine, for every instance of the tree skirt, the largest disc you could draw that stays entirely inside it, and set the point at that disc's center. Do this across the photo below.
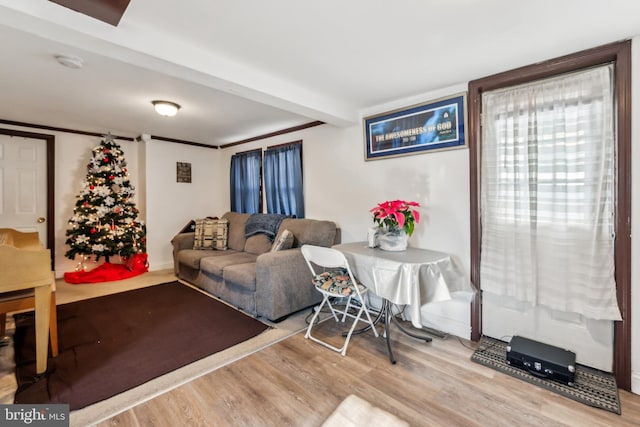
(592, 387)
(107, 272)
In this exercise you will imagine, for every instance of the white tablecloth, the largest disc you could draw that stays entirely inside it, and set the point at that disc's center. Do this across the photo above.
(413, 277)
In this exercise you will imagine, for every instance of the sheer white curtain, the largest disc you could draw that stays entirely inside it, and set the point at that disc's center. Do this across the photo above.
(548, 193)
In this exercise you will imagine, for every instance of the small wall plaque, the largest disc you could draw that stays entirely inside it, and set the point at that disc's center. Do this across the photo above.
(183, 172)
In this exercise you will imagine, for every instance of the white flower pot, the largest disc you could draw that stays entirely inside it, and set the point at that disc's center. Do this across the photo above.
(393, 240)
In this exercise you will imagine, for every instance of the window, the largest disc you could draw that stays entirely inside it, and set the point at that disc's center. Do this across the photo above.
(282, 176)
(283, 179)
(548, 193)
(246, 182)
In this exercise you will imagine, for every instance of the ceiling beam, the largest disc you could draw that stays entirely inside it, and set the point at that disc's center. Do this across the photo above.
(109, 11)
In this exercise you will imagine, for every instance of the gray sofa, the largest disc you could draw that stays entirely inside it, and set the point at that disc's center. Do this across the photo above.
(248, 275)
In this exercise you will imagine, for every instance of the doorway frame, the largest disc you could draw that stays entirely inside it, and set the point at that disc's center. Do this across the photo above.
(51, 151)
(620, 55)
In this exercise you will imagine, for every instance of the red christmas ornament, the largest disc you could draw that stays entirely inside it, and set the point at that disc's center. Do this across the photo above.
(111, 177)
(105, 160)
(106, 150)
(85, 204)
(91, 187)
(93, 230)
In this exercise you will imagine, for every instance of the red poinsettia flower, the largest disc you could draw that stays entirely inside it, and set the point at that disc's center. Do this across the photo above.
(398, 214)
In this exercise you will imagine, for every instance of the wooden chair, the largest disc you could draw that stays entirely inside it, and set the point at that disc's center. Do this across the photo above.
(27, 281)
(26, 300)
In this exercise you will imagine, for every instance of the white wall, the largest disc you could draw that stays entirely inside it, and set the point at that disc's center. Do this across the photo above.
(170, 205)
(339, 185)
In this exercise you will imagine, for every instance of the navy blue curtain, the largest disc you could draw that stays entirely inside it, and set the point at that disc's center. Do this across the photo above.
(283, 180)
(246, 182)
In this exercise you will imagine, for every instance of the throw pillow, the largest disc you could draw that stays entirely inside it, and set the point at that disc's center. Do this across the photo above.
(204, 233)
(222, 234)
(283, 241)
(211, 234)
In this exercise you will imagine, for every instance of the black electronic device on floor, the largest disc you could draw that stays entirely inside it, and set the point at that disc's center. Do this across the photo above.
(542, 360)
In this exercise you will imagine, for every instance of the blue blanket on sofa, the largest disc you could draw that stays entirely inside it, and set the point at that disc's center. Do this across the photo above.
(263, 223)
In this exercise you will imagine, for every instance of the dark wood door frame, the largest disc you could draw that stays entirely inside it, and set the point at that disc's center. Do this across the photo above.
(51, 154)
(620, 55)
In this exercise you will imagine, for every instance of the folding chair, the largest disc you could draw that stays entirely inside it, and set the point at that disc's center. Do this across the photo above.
(332, 277)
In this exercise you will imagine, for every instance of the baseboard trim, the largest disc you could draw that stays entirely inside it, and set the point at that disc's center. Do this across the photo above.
(165, 266)
(635, 382)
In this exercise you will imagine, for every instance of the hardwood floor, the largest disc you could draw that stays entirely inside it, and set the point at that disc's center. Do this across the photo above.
(299, 383)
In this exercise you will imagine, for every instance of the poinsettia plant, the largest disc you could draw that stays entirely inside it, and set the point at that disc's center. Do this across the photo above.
(397, 214)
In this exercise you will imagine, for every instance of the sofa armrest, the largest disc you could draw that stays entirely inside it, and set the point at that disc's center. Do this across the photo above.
(283, 284)
(181, 241)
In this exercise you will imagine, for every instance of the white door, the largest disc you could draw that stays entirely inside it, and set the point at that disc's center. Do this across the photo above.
(23, 184)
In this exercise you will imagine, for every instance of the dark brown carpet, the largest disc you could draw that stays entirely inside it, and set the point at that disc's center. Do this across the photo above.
(113, 343)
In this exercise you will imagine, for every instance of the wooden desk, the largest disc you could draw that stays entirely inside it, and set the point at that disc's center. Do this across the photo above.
(25, 264)
(412, 277)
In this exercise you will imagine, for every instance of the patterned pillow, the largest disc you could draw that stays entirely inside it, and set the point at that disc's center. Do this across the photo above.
(283, 241)
(336, 282)
(211, 234)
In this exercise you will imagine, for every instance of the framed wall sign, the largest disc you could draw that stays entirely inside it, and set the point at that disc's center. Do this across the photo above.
(183, 172)
(434, 125)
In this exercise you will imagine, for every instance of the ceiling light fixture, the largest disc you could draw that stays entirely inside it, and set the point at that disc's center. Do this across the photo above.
(166, 108)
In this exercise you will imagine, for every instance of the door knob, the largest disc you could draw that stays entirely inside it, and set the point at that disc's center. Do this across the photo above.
(41, 220)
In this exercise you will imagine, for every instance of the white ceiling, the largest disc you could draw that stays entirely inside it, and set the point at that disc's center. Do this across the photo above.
(245, 68)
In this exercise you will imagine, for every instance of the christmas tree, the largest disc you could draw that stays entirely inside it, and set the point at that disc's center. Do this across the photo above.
(104, 221)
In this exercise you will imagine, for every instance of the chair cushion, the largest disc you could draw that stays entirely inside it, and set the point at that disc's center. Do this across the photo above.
(335, 282)
(211, 234)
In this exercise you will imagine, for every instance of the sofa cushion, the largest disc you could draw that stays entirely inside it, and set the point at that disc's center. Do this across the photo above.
(192, 257)
(215, 265)
(283, 241)
(257, 244)
(210, 234)
(241, 275)
(237, 221)
(310, 231)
